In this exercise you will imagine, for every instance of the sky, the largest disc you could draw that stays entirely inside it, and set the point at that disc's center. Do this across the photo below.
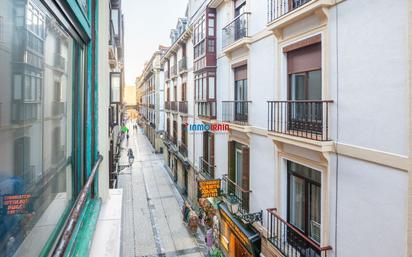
(147, 24)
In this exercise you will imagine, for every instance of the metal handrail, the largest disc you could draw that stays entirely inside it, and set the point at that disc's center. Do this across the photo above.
(273, 211)
(226, 177)
(302, 101)
(71, 223)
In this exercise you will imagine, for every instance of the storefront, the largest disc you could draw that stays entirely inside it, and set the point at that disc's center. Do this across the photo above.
(47, 64)
(236, 238)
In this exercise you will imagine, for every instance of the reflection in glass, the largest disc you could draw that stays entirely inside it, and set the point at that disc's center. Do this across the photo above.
(35, 126)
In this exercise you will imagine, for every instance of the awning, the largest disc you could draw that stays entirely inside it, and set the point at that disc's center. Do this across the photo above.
(247, 234)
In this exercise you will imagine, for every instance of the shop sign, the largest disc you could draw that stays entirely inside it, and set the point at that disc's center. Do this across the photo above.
(208, 188)
(235, 229)
(16, 204)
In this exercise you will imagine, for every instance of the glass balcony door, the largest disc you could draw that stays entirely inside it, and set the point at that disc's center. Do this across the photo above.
(304, 202)
(305, 86)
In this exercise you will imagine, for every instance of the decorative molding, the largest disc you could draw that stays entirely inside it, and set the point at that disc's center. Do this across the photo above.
(371, 155)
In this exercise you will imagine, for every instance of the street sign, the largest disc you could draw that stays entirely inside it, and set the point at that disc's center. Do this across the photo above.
(208, 188)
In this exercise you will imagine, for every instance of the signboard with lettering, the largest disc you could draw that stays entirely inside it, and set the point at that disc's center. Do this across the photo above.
(16, 204)
(208, 188)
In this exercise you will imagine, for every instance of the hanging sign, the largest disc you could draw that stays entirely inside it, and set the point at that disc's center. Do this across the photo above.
(16, 204)
(208, 188)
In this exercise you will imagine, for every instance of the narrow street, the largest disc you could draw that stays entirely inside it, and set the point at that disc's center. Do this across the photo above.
(152, 223)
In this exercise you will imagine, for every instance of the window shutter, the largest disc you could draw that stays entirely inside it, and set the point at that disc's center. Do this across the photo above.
(205, 139)
(231, 165)
(305, 59)
(245, 176)
(212, 153)
(241, 73)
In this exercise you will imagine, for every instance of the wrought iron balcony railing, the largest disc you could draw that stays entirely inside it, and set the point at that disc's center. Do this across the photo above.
(60, 62)
(182, 64)
(183, 107)
(236, 112)
(278, 8)
(173, 106)
(307, 119)
(173, 71)
(25, 112)
(206, 109)
(167, 105)
(235, 30)
(235, 194)
(207, 168)
(183, 149)
(290, 241)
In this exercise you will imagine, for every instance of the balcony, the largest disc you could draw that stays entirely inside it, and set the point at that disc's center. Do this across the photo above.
(207, 169)
(183, 107)
(235, 195)
(236, 112)
(183, 65)
(25, 112)
(282, 13)
(206, 109)
(278, 8)
(235, 31)
(151, 106)
(58, 108)
(290, 241)
(59, 62)
(173, 71)
(173, 106)
(112, 47)
(167, 105)
(306, 119)
(183, 149)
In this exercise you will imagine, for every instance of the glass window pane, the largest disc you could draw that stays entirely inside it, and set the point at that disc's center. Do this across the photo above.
(315, 85)
(315, 213)
(35, 182)
(17, 87)
(297, 202)
(298, 91)
(211, 87)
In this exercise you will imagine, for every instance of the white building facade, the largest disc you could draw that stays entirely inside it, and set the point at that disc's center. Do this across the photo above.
(317, 97)
(151, 86)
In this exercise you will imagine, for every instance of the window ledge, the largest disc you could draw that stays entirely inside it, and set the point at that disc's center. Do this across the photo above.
(318, 146)
(241, 43)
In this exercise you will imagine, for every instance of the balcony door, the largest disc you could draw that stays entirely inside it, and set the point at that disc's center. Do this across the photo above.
(240, 105)
(305, 89)
(304, 202)
(239, 173)
(240, 22)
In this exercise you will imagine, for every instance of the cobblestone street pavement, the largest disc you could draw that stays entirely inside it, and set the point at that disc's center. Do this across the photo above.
(152, 223)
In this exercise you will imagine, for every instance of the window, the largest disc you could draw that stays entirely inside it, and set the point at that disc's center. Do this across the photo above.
(239, 172)
(17, 94)
(115, 87)
(37, 147)
(211, 87)
(211, 27)
(2, 30)
(304, 199)
(211, 46)
(116, 22)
